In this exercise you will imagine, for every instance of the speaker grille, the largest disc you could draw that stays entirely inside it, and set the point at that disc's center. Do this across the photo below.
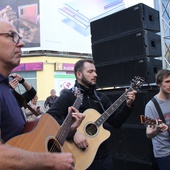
(120, 74)
(129, 46)
(137, 17)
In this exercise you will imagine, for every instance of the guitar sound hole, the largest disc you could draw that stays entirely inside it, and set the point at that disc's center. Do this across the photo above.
(53, 146)
(91, 129)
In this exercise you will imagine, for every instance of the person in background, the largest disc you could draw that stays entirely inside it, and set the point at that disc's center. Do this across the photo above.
(36, 106)
(51, 99)
(12, 121)
(14, 81)
(159, 133)
(85, 73)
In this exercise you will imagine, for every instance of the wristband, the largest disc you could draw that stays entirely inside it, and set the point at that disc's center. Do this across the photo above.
(22, 81)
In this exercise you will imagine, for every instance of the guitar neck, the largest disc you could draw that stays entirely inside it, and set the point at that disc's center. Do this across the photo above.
(149, 121)
(66, 125)
(112, 108)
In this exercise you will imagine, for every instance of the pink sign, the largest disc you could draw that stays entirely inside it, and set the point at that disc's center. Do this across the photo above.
(29, 67)
(68, 67)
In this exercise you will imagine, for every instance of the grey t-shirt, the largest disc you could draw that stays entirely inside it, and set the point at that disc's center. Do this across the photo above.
(161, 142)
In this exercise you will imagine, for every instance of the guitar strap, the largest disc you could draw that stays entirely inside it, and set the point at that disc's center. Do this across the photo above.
(158, 109)
(95, 93)
(99, 100)
(23, 102)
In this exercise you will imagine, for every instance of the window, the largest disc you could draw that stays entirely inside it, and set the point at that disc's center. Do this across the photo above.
(30, 77)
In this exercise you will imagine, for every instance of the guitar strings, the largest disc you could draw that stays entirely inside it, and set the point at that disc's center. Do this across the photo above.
(68, 121)
(59, 137)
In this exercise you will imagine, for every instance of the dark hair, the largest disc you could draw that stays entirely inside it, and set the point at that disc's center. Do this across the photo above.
(161, 74)
(80, 65)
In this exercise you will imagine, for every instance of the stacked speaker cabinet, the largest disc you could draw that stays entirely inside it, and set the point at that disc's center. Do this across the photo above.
(121, 73)
(125, 44)
(129, 146)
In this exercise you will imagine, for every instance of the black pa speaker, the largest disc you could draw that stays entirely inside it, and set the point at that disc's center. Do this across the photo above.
(128, 142)
(133, 18)
(129, 46)
(131, 149)
(129, 146)
(120, 74)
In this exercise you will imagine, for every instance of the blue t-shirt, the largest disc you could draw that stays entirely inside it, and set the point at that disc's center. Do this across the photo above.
(12, 120)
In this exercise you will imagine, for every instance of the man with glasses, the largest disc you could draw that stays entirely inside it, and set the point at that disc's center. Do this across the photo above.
(15, 37)
(12, 119)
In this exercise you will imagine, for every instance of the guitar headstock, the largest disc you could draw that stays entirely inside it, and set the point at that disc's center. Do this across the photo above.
(147, 120)
(137, 82)
(78, 93)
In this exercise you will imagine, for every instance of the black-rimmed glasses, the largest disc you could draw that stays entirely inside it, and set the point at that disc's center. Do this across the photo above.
(14, 35)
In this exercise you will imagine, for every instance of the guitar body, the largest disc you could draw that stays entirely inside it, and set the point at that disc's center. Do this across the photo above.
(94, 135)
(42, 138)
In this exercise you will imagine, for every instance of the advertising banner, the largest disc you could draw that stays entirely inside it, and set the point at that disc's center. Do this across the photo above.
(59, 25)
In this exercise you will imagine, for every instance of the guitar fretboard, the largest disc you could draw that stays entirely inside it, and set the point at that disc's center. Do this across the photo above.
(112, 108)
(66, 125)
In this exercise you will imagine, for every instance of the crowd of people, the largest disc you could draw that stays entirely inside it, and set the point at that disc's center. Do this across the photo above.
(13, 120)
(31, 97)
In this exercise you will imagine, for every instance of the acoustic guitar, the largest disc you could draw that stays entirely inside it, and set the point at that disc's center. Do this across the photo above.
(47, 135)
(92, 129)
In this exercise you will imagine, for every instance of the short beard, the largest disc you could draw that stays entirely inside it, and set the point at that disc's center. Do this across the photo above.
(87, 83)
